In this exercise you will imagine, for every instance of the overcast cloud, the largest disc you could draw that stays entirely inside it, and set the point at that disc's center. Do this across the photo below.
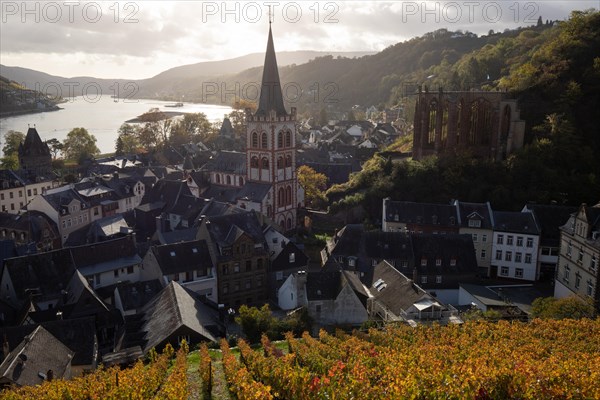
(140, 39)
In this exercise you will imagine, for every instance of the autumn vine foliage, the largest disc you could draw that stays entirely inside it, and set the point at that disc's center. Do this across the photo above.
(205, 370)
(241, 383)
(175, 386)
(139, 382)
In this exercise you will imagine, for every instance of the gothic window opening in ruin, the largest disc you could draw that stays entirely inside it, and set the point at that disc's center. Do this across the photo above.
(444, 138)
(280, 140)
(487, 130)
(254, 139)
(473, 123)
(432, 122)
(460, 112)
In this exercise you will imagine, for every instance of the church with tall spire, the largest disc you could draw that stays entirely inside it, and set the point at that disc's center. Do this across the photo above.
(264, 177)
(271, 145)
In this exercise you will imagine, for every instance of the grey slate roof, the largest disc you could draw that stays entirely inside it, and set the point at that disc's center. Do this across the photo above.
(78, 334)
(550, 218)
(515, 222)
(226, 228)
(270, 92)
(282, 262)
(183, 257)
(227, 161)
(135, 295)
(481, 211)
(421, 213)
(38, 352)
(172, 308)
(394, 290)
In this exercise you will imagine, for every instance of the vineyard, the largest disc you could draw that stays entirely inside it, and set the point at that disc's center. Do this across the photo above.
(542, 359)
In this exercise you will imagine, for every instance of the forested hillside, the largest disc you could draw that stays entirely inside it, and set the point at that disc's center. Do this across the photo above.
(555, 74)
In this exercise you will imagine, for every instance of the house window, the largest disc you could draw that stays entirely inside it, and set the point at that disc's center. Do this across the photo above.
(11, 195)
(35, 191)
(577, 280)
(116, 273)
(404, 263)
(453, 262)
(566, 273)
(438, 279)
(580, 257)
(482, 256)
(373, 263)
(292, 258)
(520, 241)
(318, 308)
(504, 271)
(518, 257)
(248, 265)
(263, 140)
(225, 269)
(590, 288)
(189, 276)
(500, 239)
(259, 263)
(438, 262)
(423, 279)
(528, 258)
(248, 284)
(279, 275)
(519, 273)
(545, 251)
(130, 270)
(423, 262)
(484, 238)
(236, 287)
(236, 267)
(529, 242)
(95, 210)
(20, 193)
(29, 192)
(508, 256)
(594, 263)
(498, 254)
(509, 240)
(175, 277)
(351, 261)
(475, 237)
(254, 139)
(474, 223)
(569, 248)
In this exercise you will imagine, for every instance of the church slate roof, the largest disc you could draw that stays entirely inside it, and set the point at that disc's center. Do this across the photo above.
(271, 97)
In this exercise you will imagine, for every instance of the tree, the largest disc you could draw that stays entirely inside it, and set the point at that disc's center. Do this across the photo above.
(127, 141)
(255, 321)
(80, 145)
(568, 307)
(55, 147)
(314, 185)
(157, 127)
(12, 140)
(192, 127)
(10, 161)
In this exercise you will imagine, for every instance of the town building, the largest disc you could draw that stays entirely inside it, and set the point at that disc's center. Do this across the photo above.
(408, 216)
(477, 220)
(515, 246)
(34, 155)
(577, 272)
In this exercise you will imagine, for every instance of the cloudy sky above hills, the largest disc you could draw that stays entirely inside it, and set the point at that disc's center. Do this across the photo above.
(139, 39)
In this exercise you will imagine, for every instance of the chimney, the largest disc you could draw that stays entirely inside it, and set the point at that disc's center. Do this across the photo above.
(5, 347)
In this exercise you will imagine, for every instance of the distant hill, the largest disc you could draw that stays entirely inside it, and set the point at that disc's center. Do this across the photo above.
(17, 99)
(170, 84)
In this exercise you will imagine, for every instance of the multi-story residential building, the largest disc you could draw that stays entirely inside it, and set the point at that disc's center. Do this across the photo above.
(32, 229)
(187, 263)
(477, 220)
(239, 252)
(515, 246)
(549, 218)
(408, 216)
(18, 188)
(578, 272)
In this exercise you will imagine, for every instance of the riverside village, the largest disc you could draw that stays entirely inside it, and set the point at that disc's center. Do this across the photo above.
(445, 211)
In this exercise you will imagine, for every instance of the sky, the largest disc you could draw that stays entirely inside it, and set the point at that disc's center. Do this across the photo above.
(139, 39)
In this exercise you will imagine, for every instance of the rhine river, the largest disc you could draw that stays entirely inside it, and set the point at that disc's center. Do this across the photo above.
(101, 118)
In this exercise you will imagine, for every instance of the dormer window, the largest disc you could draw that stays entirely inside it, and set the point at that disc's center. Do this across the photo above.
(172, 254)
(292, 257)
(453, 262)
(474, 223)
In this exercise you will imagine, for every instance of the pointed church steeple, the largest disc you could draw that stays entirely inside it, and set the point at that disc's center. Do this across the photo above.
(271, 97)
